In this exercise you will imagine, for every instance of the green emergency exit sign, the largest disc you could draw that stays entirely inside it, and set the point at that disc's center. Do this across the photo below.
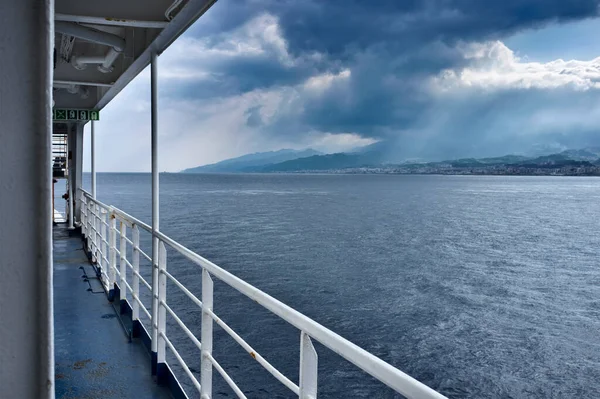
(75, 115)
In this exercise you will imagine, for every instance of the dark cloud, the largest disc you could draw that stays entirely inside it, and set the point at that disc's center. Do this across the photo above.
(253, 118)
(341, 26)
(391, 48)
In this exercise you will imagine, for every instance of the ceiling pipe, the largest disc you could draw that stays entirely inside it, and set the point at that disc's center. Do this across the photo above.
(110, 21)
(116, 43)
(91, 35)
(172, 8)
(56, 83)
(105, 62)
(83, 92)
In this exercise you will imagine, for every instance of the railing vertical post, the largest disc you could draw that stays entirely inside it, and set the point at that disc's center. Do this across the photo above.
(122, 264)
(88, 235)
(90, 221)
(92, 226)
(84, 217)
(82, 211)
(308, 368)
(206, 337)
(155, 204)
(162, 315)
(112, 260)
(135, 280)
(103, 237)
(97, 234)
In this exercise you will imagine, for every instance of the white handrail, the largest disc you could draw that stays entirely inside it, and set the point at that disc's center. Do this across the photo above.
(372, 365)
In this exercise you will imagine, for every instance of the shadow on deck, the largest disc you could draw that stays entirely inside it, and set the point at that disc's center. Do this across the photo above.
(93, 355)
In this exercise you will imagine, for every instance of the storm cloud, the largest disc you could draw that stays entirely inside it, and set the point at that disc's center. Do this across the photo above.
(432, 78)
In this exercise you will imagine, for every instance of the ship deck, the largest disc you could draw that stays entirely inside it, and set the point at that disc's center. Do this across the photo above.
(93, 355)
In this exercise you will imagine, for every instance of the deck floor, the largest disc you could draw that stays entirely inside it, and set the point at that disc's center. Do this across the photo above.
(93, 356)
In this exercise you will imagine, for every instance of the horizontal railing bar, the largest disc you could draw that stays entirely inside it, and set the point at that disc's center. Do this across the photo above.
(127, 285)
(181, 361)
(369, 363)
(182, 325)
(128, 240)
(145, 255)
(128, 264)
(142, 306)
(93, 200)
(132, 220)
(227, 378)
(185, 290)
(143, 280)
(120, 219)
(255, 355)
(364, 360)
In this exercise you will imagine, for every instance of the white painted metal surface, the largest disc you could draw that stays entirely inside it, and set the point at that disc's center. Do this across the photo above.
(309, 329)
(135, 286)
(93, 157)
(112, 234)
(27, 327)
(308, 368)
(123, 259)
(207, 336)
(83, 19)
(70, 204)
(155, 193)
(162, 310)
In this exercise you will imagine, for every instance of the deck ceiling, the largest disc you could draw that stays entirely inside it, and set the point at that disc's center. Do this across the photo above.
(141, 24)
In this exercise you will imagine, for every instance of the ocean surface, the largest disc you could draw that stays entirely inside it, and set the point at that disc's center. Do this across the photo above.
(480, 287)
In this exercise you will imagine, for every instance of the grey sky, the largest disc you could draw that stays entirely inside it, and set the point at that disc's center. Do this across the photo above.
(434, 79)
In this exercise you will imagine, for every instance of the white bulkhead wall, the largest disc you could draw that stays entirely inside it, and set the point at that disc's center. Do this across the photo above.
(26, 327)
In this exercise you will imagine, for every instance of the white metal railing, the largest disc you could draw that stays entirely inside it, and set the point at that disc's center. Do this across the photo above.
(94, 215)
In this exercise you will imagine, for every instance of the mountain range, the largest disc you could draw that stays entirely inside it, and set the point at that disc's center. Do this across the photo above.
(253, 162)
(375, 155)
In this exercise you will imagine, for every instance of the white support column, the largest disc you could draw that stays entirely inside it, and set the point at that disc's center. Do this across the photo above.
(70, 175)
(76, 152)
(26, 311)
(93, 158)
(155, 204)
(71, 207)
(206, 337)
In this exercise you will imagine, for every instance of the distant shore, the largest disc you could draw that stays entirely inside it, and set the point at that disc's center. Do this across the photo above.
(463, 171)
